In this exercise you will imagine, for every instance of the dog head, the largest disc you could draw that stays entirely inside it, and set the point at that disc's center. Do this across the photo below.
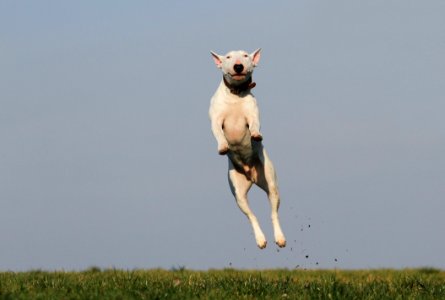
(237, 66)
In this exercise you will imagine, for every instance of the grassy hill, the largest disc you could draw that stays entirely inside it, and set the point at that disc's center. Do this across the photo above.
(224, 284)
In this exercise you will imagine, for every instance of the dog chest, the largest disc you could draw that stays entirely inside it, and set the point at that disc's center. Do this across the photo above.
(235, 124)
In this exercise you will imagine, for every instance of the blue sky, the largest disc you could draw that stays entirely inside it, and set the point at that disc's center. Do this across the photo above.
(107, 157)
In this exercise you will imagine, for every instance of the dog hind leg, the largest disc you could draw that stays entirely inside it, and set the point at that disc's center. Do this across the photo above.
(240, 185)
(267, 180)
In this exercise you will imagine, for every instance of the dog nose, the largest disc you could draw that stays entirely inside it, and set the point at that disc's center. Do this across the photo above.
(238, 68)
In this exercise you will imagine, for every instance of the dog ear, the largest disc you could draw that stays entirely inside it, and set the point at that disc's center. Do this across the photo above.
(256, 56)
(217, 58)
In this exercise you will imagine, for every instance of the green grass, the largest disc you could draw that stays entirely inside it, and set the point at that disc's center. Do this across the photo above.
(224, 284)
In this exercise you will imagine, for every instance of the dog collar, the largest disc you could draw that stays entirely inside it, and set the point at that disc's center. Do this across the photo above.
(238, 89)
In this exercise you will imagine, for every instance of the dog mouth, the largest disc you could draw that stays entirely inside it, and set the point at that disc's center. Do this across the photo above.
(238, 76)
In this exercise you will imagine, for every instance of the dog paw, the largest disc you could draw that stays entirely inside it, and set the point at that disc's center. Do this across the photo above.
(261, 241)
(223, 149)
(256, 136)
(261, 244)
(281, 242)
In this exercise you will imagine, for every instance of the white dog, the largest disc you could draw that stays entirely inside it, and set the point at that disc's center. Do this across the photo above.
(236, 126)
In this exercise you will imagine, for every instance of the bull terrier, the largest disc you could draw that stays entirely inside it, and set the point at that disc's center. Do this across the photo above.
(234, 117)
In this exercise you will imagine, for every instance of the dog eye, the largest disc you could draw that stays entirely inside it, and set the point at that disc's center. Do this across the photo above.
(245, 55)
(228, 56)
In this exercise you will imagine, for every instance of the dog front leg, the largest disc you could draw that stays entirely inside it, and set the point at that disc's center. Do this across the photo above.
(253, 120)
(217, 129)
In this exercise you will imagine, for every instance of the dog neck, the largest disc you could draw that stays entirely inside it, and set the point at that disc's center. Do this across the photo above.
(241, 88)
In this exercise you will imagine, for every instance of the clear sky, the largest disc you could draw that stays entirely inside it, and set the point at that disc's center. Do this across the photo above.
(107, 158)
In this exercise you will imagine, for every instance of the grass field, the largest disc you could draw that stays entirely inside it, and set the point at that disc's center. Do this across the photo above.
(224, 284)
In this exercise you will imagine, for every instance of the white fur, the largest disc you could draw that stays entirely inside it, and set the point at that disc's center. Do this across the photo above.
(236, 127)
